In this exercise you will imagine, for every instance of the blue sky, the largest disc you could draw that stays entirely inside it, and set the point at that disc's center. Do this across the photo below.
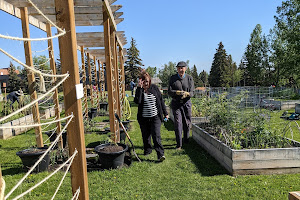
(175, 30)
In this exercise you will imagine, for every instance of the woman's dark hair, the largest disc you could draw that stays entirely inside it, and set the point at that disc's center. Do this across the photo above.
(144, 74)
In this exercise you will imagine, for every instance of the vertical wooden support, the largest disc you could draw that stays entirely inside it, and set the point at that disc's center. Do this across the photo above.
(84, 82)
(30, 76)
(121, 59)
(55, 95)
(0, 180)
(109, 73)
(116, 75)
(99, 79)
(90, 79)
(96, 83)
(102, 81)
(68, 53)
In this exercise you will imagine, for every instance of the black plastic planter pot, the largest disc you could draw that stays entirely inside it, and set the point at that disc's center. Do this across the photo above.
(103, 106)
(53, 136)
(30, 156)
(111, 160)
(93, 113)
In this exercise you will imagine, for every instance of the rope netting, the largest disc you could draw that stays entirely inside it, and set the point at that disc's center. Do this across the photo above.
(41, 100)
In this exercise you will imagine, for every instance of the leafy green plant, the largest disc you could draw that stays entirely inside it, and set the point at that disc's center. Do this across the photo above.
(239, 127)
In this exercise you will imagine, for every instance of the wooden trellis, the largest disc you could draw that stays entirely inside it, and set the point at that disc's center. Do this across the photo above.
(68, 14)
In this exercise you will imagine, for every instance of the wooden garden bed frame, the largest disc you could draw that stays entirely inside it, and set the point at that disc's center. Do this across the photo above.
(249, 161)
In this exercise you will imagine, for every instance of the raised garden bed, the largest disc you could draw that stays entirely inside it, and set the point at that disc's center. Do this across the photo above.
(250, 161)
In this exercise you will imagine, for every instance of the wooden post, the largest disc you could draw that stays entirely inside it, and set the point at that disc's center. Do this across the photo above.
(96, 82)
(55, 95)
(109, 73)
(0, 180)
(102, 81)
(99, 80)
(31, 77)
(121, 59)
(68, 53)
(294, 195)
(90, 79)
(116, 82)
(84, 82)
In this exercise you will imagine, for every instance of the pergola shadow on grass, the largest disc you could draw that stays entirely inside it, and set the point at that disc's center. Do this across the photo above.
(206, 165)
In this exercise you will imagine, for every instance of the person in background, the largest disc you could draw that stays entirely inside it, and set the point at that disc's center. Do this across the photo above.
(14, 96)
(181, 89)
(151, 113)
(132, 85)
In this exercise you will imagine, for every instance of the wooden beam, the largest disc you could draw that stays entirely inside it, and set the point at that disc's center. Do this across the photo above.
(0, 181)
(84, 81)
(294, 195)
(109, 14)
(14, 11)
(88, 35)
(109, 73)
(69, 63)
(55, 95)
(90, 78)
(31, 77)
(96, 82)
(121, 59)
(117, 85)
(50, 3)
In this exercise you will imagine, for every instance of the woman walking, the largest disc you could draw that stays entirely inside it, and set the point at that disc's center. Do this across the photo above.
(151, 112)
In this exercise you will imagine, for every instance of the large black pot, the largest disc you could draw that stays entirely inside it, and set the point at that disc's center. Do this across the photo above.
(53, 136)
(93, 113)
(111, 160)
(103, 106)
(30, 156)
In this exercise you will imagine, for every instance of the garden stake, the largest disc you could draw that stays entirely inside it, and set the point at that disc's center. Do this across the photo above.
(116, 115)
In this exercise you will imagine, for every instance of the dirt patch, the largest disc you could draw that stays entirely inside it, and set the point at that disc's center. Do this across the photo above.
(111, 149)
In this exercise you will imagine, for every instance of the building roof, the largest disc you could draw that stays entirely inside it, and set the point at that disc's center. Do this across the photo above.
(156, 80)
(4, 71)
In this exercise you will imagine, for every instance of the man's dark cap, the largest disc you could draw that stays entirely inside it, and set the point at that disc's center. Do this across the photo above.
(181, 64)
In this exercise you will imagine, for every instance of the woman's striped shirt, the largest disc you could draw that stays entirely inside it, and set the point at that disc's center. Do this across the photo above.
(149, 108)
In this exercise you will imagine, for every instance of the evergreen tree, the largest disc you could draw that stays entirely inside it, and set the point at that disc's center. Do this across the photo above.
(152, 71)
(24, 80)
(219, 72)
(256, 57)
(133, 65)
(166, 72)
(231, 71)
(14, 81)
(195, 76)
(203, 77)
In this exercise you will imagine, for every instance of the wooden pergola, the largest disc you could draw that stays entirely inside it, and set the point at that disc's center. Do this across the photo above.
(104, 47)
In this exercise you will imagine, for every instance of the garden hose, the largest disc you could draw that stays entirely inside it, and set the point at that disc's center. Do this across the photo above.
(126, 109)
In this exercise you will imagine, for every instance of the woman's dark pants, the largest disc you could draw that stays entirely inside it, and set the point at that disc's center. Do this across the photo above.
(151, 127)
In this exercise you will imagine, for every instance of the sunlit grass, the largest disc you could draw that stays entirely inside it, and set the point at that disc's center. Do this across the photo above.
(188, 174)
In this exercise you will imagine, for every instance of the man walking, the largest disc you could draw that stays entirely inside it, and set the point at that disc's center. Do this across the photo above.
(181, 89)
(132, 85)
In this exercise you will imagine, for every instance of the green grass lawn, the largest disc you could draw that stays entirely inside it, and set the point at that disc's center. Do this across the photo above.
(188, 174)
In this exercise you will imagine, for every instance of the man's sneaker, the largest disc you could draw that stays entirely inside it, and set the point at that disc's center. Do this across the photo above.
(178, 148)
(162, 158)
